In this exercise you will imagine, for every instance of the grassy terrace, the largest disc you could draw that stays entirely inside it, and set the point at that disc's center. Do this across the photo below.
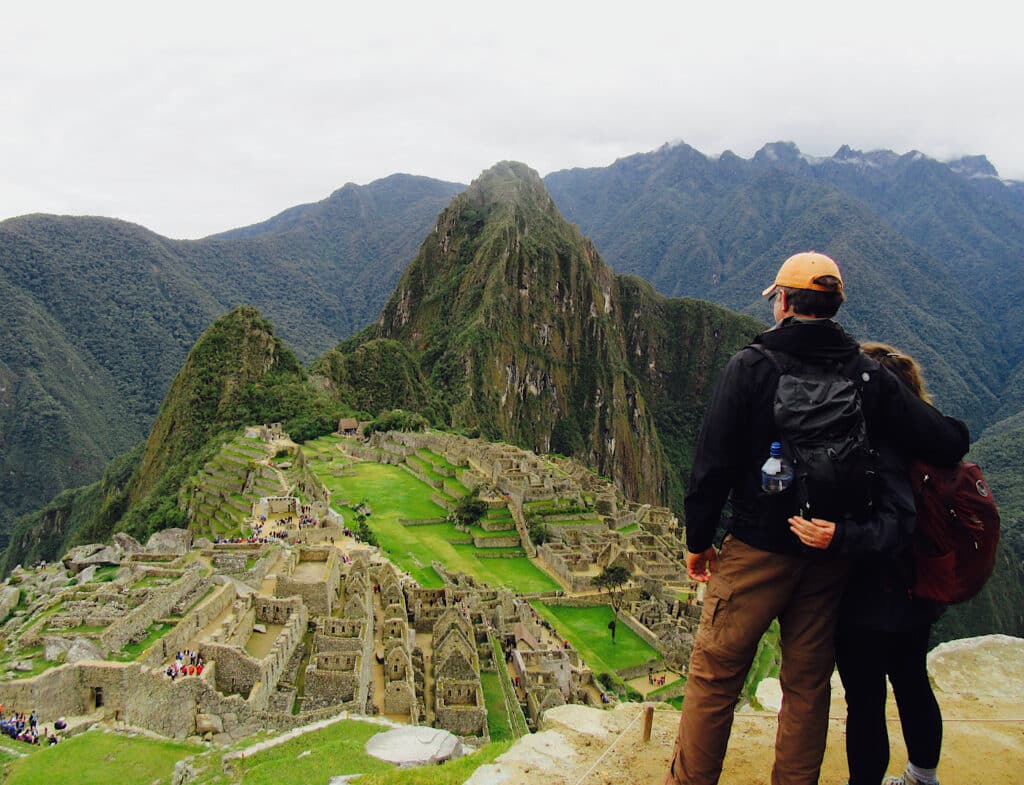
(100, 758)
(498, 724)
(395, 494)
(131, 651)
(97, 758)
(336, 750)
(587, 630)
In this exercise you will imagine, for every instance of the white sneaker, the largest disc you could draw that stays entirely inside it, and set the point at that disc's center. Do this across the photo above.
(906, 778)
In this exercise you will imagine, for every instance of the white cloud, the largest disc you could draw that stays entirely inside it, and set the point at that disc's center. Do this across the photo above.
(196, 117)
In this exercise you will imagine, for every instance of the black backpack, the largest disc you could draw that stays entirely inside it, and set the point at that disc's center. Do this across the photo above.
(821, 425)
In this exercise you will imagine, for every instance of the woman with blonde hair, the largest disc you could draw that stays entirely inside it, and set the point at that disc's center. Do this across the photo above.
(883, 629)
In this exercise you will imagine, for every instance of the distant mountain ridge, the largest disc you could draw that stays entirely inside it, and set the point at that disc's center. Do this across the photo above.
(908, 230)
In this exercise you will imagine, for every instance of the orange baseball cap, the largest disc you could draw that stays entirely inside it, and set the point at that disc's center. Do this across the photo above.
(802, 271)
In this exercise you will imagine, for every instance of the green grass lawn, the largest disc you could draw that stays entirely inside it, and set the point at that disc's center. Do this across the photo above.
(97, 758)
(587, 630)
(497, 717)
(131, 651)
(395, 494)
(336, 750)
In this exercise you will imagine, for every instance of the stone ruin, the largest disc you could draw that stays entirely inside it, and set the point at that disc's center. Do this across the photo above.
(294, 632)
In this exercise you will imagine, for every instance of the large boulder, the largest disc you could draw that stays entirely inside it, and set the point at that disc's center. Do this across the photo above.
(9, 598)
(82, 556)
(414, 746)
(83, 649)
(208, 723)
(55, 647)
(174, 542)
(127, 543)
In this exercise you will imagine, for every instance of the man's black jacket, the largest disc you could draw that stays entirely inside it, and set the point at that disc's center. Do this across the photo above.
(739, 427)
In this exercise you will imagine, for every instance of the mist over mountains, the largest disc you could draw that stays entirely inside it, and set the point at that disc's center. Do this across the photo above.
(103, 312)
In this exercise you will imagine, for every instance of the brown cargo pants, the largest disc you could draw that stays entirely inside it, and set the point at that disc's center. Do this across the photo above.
(748, 589)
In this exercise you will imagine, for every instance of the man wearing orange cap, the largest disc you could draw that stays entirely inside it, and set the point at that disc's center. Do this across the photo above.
(762, 571)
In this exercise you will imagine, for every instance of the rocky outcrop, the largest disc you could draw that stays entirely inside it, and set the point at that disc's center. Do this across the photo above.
(82, 556)
(127, 543)
(175, 542)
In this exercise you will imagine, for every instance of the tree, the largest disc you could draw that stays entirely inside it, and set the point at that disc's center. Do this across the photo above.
(469, 509)
(613, 578)
(538, 530)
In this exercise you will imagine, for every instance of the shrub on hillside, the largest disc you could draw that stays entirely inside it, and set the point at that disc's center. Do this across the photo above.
(396, 420)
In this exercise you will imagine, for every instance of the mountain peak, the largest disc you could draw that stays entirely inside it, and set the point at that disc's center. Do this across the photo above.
(973, 166)
(507, 182)
(778, 152)
(237, 350)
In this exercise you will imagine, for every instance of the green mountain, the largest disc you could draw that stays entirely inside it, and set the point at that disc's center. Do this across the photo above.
(522, 333)
(104, 313)
(237, 373)
(1000, 454)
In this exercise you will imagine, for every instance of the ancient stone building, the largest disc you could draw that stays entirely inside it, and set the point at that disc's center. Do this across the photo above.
(458, 695)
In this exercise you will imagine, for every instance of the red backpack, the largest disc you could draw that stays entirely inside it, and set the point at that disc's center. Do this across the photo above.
(957, 531)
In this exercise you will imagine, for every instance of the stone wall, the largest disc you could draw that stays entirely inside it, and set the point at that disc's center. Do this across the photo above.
(137, 622)
(237, 672)
(320, 596)
(194, 622)
(497, 542)
(400, 698)
(459, 707)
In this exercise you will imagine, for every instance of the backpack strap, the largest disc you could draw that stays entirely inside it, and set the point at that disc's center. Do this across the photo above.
(786, 363)
(769, 354)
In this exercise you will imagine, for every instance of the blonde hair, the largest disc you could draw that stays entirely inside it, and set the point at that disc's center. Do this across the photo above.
(903, 365)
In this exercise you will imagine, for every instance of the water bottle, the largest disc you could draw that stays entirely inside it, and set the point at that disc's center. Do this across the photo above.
(777, 472)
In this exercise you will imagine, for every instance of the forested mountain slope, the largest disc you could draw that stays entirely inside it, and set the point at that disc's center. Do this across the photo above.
(102, 314)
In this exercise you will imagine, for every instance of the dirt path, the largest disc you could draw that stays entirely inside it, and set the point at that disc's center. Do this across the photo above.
(426, 643)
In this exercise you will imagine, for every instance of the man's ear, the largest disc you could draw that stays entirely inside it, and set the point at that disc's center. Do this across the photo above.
(783, 300)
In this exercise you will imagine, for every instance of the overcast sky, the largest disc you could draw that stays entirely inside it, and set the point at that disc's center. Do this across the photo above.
(196, 117)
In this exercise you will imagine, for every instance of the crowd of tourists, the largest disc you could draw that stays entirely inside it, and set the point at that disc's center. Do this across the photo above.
(186, 663)
(21, 728)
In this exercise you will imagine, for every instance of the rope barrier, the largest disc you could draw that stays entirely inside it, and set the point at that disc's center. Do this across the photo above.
(770, 716)
(611, 746)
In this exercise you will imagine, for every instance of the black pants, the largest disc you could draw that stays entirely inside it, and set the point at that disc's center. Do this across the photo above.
(865, 657)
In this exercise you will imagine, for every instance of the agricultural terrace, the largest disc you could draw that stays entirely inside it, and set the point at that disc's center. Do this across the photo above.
(586, 628)
(393, 494)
